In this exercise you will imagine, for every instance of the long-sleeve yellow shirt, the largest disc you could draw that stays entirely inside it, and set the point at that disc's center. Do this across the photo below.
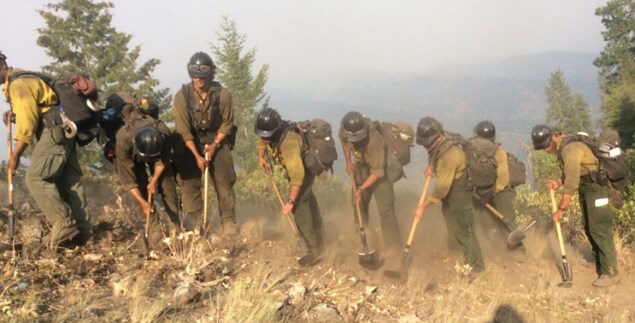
(289, 155)
(449, 167)
(577, 160)
(502, 169)
(30, 98)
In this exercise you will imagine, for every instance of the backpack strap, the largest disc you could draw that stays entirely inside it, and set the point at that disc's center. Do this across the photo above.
(216, 89)
(451, 139)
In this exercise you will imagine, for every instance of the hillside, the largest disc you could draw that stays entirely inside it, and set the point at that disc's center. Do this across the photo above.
(510, 92)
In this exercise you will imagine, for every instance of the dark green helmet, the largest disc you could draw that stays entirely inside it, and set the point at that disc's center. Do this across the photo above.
(148, 142)
(541, 136)
(268, 122)
(200, 65)
(485, 129)
(355, 127)
(3, 57)
(428, 130)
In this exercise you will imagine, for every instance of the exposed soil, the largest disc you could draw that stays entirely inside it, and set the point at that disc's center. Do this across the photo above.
(254, 277)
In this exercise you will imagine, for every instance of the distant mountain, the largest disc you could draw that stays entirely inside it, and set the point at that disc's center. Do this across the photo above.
(509, 92)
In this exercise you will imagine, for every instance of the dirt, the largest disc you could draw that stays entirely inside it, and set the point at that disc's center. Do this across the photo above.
(253, 277)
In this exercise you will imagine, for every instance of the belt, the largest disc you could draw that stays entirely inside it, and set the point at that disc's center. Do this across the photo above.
(591, 177)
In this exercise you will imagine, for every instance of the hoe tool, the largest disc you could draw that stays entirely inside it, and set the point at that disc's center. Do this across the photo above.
(203, 229)
(10, 213)
(367, 258)
(307, 258)
(405, 257)
(516, 235)
(146, 231)
(566, 273)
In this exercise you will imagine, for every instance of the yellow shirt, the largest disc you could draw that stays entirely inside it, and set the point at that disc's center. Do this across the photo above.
(577, 160)
(30, 98)
(502, 169)
(449, 167)
(289, 155)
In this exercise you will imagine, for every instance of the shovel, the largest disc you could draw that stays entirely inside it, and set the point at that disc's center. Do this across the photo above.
(367, 258)
(566, 273)
(307, 258)
(516, 235)
(405, 257)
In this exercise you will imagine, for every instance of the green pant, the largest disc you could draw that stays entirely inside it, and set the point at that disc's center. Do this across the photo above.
(53, 180)
(458, 213)
(384, 195)
(307, 216)
(598, 226)
(222, 177)
(503, 202)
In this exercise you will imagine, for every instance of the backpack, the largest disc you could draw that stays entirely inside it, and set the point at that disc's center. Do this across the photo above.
(77, 96)
(613, 163)
(398, 139)
(120, 108)
(517, 171)
(321, 152)
(480, 155)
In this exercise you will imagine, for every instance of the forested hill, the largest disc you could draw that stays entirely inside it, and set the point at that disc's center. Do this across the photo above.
(510, 92)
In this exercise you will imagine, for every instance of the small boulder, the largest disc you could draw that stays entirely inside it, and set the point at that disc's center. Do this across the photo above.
(325, 313)
(296, 293)
(185, 293)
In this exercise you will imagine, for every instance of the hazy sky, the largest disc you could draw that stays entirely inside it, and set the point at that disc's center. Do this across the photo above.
(304, 36)
(294, 35)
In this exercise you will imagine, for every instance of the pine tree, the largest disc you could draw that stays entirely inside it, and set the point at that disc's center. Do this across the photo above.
(234, 71)
(570, 113)
(79, 38)
(617, 67)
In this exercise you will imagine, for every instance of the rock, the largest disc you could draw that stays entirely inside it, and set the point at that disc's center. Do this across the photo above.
(369, 290)
(410, 318)
(324, 313)
(296, 293)
(21, 286)
(185, 293)
(93, 257)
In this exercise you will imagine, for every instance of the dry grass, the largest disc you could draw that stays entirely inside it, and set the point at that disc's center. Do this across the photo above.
(145, 308)
(250, 299)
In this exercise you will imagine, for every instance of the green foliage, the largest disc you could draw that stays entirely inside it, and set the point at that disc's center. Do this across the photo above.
(617, 67)
(569, 112)
(544, 166)
(234, 71)
(79, 38)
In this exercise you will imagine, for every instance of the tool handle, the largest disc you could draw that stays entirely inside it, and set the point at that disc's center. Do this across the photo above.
(147, 226)
(424, 192)
(10, 219)
(9, 154)
(206, 189)
(554, 208)
(275, 189)
(413, 229)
